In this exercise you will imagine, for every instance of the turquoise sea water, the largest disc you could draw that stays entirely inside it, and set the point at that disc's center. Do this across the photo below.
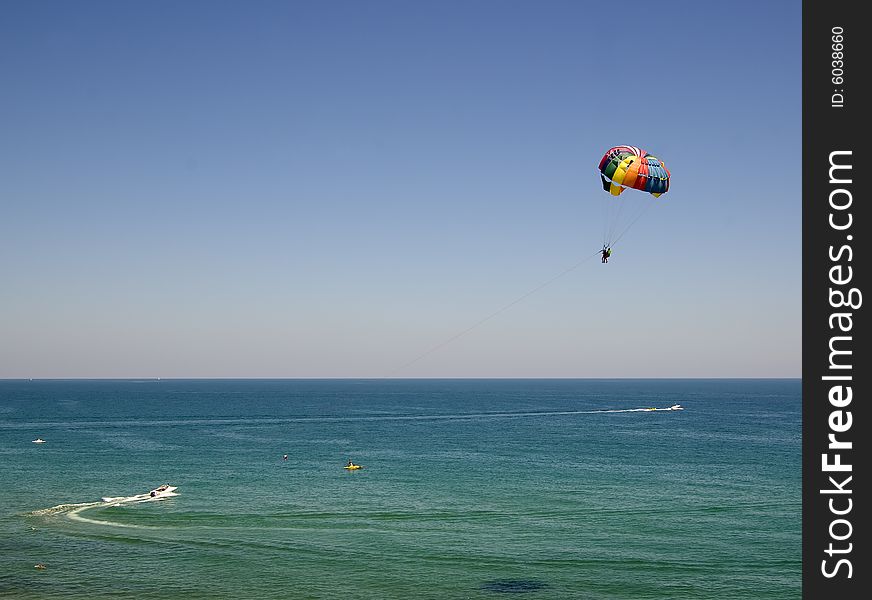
(470, 489)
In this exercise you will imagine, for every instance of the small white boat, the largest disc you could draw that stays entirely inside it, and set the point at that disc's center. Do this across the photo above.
(163, 491)
(39, 441)
(676, 407)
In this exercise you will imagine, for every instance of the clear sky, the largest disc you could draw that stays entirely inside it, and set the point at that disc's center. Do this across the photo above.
(333, 189)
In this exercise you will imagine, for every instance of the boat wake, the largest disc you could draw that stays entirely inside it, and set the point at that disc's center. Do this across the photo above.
(73, 510)
(63, 508)
(161, 493)
(673, 407)
(328, 419)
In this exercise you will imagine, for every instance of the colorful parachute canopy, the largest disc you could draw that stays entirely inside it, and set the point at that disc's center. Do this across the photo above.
(630, 167)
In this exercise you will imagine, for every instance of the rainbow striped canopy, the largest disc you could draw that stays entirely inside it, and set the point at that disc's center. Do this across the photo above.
(629, 167)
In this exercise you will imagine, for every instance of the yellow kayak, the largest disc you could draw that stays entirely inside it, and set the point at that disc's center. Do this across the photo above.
(352, 467)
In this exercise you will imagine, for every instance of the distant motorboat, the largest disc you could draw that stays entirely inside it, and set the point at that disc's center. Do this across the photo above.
(676, 407)
(162, 491)
(39, 441)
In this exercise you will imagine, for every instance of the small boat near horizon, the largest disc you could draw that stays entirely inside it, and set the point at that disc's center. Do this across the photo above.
(38, 441)
(673, 407)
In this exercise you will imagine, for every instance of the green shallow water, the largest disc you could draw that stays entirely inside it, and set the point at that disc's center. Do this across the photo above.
(471, 489)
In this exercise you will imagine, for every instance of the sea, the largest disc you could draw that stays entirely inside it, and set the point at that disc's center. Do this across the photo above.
(469, 488)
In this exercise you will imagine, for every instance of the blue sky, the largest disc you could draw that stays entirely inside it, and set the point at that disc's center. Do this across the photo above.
(302, 189)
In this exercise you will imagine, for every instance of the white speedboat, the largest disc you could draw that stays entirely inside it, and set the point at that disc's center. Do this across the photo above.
(676, 407)
(39, 441)
(162, 490)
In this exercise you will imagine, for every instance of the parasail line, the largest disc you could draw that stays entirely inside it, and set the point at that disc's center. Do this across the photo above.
(492, 315)
(616, 219)
(639, 216)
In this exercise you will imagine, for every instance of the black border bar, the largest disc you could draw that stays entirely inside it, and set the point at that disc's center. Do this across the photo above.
(836, 369)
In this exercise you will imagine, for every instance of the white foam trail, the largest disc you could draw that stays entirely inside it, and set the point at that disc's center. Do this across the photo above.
(75, 516)
(314, 419)
(511, 414)
(634, 410)
(116, 500)
(63, 508)
(73, 510)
